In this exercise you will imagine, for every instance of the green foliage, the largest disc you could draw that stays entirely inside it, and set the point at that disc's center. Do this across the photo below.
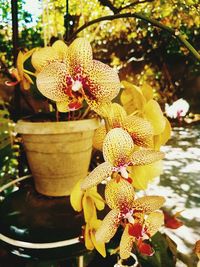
(28, 37)
(8, 148)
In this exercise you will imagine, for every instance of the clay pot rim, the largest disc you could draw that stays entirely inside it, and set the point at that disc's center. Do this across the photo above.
(61, 127)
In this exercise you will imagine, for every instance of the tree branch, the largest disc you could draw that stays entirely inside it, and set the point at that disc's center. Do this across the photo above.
(134, 4)
(110, 5)
(152, 21)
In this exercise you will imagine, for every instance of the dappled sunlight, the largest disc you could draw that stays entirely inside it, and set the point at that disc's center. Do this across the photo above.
(180, 182)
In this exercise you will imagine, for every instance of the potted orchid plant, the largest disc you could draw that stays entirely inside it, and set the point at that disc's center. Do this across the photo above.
(67, 76)
(129, 136)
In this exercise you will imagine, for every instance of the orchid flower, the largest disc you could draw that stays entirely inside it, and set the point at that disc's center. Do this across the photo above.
(88, 201)
(118, 152)
(70, 75)
(19, 73)
(89, 236)
(140, 101)
(139, 217)
(178, 109)
(139, 129)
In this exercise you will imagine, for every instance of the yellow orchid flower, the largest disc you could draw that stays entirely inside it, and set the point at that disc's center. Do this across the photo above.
(68, 75)
(140, 217)
(139, 129)
(140, 101)
(88, 201)
(119, 154)
(142, 175)
(19, 73)
(89, 237)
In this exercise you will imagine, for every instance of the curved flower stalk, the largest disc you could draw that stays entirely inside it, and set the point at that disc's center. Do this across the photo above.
(68, 75)
(141, 102)
(139, 217)
(118, 152)
(19, 73)
(139, 129)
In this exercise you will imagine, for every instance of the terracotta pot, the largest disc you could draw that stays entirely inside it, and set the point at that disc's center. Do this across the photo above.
(58, 153)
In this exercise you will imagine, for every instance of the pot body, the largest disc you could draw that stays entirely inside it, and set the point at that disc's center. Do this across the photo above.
(58, 153)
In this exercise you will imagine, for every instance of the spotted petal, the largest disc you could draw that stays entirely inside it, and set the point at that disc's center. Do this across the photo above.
(153, 222)
(117, 147)
(132, 98)
(61, 49)
(99, 174)
(102, 83)
(126, 244)
(44, 56)
(51, 81)
(140, 130)
(115, 114)
(119, 194)
(148, 204)
(146, 156)
(99, 136)
(108, 227)
(80, 54)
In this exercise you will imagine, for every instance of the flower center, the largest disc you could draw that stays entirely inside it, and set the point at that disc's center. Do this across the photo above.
(122, 170)
(76, 85)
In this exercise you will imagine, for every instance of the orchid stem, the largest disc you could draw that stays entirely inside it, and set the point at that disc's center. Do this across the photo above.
(154, 22)
(30, 72)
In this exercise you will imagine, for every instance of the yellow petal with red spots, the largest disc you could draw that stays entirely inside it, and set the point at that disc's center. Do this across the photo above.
(102, 83)
(99, 174)
(51, 81)
(80, 54)
(44, 56)
(99, 136)
(108, 227)
(143, 175)
(153, 222)
(61, 49)
(126, 244)
(119, 194)
(117, 147)
(140, 130)
(148, 204)
(153, 113)
(146, 156)
(116, 114)
(132, 98)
